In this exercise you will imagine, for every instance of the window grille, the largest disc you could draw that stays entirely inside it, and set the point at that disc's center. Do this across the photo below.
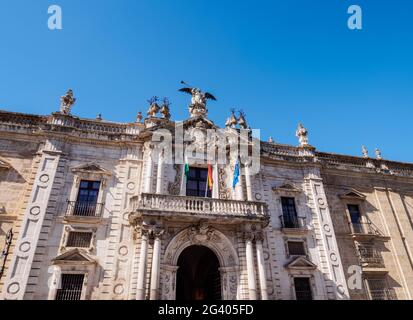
(296, 248)
(79, 239)
(71, 287)
(303, 289)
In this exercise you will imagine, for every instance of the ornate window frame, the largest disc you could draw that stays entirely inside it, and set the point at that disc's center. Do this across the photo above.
(313, 286)
(296, 239)
(354, 197)
(72, 228)
(290, 190)
(65, 264)
(91, 172)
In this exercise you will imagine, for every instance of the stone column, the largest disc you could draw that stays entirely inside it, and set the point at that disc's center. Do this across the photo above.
(140, 293)
(159, 182)
(148, 174)
(252, 289)
(156, 257)
(259, 237)
(248, 182)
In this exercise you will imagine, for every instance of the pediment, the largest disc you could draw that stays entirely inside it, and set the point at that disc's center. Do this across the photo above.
(74, 256)
(286, 187)
(91, 167)
(301, 263)
(4, 164)
(352, 194)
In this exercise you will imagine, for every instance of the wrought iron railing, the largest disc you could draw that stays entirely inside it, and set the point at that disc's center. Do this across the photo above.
(5, 252)
(303, 295)
(71, 287)
(383, 294)
(291, 222)
(84, 209)
(370, 255)
(365, 228)
(64, 294)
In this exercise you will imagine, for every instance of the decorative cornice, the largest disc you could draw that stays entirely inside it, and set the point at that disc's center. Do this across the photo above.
(104, 132)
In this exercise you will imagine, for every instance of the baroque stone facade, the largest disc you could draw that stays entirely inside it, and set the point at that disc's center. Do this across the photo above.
(342, 224)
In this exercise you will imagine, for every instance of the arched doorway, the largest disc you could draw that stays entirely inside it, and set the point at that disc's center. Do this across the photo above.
(198, 276)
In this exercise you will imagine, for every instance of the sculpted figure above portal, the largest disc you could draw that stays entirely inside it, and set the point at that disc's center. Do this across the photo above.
(198, 101)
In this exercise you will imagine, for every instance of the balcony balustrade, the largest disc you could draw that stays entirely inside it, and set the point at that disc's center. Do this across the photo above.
(197, 206)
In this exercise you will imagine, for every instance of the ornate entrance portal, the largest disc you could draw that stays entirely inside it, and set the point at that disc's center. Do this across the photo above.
(200, 262)
(198, 276)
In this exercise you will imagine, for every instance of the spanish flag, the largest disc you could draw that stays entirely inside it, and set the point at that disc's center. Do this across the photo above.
(210, 181)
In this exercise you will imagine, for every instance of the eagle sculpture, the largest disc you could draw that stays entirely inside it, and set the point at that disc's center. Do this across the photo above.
(198, 97)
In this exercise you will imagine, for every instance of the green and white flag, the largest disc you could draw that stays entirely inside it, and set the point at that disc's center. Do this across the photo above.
(186, 168)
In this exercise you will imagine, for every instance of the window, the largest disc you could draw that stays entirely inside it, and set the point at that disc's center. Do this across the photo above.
(379, 289)
(196, 183)
(303, 289)
(355, 217)
(79, 239)
(88, 191)
(71, 287)
(289, 217)
(87, 198)
(296, 248)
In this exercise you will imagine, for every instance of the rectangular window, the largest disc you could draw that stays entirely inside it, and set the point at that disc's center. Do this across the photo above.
(70, 287)
(196, 183)
(290, 219)
(379, 289)
(79, 239)
(296, 248)
(87, 198)
(303, 289)
(355, 218)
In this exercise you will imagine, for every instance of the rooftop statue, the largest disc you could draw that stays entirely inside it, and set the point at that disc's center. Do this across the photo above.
(198, 101)
(66, 102)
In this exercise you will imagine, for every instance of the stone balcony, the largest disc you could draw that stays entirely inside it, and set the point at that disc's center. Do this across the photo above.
(185, 208)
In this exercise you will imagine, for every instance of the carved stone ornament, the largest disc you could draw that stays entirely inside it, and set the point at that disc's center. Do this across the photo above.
(248, 236)
(224, 192)
(198, 101)
(302, 135)
(201, 233)
(378, 154)
(153, 107)
(259, 236)
(165, 111)
(66, 102)
(174, 188)
(365, 152)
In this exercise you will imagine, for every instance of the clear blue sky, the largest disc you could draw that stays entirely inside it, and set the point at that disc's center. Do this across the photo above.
(282, 62)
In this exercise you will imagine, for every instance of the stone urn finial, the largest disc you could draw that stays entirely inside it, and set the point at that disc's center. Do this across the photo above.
(365, 152)
(165, 110)
(378, 154)
(153, 107)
